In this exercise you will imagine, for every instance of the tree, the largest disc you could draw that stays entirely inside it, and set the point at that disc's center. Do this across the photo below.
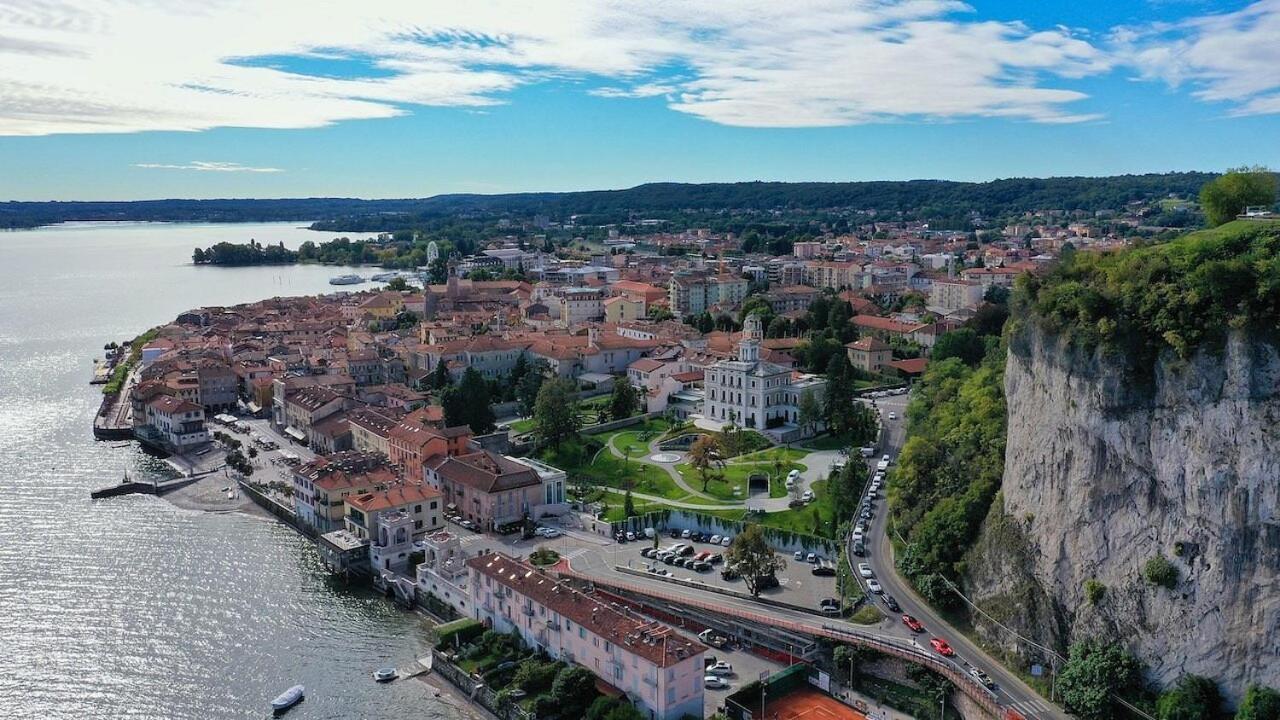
(1260, 703)
(529, 385)
(810, 411)
(963, 343)
(628, 503)
(1094, 672)
(555, 412)
(624, 711)
(625, 401)
(398, 284)
(838, 406)
(705, 455)
(440, 377)
(477, 411)
(197, 257)
(1159, 571)
(1227, 196)
(752, 557)
(1192, 698)
(573, 691)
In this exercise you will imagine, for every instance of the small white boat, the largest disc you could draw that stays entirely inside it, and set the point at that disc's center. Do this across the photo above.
(348, 279)
(287, 699)
(386, 674)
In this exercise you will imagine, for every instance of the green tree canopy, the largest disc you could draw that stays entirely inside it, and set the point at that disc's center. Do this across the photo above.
(1227, 196)
(1094, 672)
(963, 343)
(555, 412)
(752, 557)
(1260, 703)
(625, 401)
(1192, 698)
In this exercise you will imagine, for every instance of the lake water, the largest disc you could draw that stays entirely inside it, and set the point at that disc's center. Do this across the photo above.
(131, 607)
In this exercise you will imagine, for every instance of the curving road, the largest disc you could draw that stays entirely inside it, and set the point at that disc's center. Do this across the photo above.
(1010, 689)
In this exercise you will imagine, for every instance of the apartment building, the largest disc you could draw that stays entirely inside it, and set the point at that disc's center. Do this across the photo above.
(658, 669)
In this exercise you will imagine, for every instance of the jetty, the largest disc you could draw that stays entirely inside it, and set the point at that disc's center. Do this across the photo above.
(134, 487)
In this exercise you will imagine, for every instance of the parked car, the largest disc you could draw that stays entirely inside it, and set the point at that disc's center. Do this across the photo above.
(865, 570)
(619, 537)
(812, 558)
(715, 558)
(729, 573)
(686, 549)
(550, 532)
(868, 452)
(675, 533)
(793, 476)
(807, 496)
(829, 606)
(631, 536)
(720, 668)
(715, 540)
(669, 558)
(685, 534)
(893, 416)
(726, 541)
(715, 682)
(891, 603)
(799, 555)
(942, 647)
(824, 568)
(874, 586)
(765, 582)
(648, 532)
(649, 552)
(912, 623)
(859, 549)
(702, 566)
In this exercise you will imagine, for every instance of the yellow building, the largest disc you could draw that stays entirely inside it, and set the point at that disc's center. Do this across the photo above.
(623, 309)
(383, 305)
(869, 354)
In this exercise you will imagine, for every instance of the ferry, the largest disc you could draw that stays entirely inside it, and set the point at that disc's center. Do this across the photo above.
(348, 279)
(384, 276)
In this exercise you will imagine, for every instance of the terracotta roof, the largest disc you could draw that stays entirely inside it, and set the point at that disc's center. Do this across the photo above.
(650, 640)
(911, 366)
(868, 344)
(487, 472)
(170, 405)
(686, 377)
(393, 497)
(646, 365)
(875, 322)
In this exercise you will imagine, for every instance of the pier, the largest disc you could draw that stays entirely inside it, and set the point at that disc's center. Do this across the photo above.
(133, 487)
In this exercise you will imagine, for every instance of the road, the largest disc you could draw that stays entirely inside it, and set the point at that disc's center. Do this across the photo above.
(1011, 690)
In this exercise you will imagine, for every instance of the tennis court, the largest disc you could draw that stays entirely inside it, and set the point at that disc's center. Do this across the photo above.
(809, 704)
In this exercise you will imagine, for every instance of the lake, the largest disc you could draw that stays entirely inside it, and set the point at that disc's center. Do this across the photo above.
(131, 607)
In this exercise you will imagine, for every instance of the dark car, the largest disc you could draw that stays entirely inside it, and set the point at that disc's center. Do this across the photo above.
(728, 573)
(765, 582)
(649, 552)
(686, 550)
(674, 533)
(715, 558)
(669, 559)
(702, 566)
(890, 603)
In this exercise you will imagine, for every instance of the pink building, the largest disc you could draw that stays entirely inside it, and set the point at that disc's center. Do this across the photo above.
(658, 669)
(493, 490)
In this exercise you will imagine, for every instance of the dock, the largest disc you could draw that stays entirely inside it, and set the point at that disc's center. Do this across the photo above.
(133, 487)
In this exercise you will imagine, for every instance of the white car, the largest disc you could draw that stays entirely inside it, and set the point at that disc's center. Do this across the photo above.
(547, 532)
(865, 570)
(807, 496)
(714, 682)
(874, 587)
(631, 536)
(720, 668)
(858, 535)
(885, 459)
(893, 416)
(793, 476)
(715, 540)
(726, 541)
(799, 556)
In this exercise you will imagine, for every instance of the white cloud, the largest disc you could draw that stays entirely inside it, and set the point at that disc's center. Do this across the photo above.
(95, 66)
(205, 166)
(1225, 58)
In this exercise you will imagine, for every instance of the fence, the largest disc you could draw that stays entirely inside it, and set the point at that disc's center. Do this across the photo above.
(476, 690)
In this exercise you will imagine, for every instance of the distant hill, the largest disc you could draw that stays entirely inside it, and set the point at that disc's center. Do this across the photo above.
(913, 198)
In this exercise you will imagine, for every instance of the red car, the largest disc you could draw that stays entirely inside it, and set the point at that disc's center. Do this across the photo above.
(942, 647)
(912, 623)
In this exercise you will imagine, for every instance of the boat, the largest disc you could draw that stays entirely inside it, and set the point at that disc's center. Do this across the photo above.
(384, 276)
(386, 674)
(348, 279)
(287, 699)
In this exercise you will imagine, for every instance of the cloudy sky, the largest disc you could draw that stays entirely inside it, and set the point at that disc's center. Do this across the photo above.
(121, 99)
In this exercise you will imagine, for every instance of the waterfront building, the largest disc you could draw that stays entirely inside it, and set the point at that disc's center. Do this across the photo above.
(659, 670)
(173, 424)
(442, 574)
(321, 487)
(494, 490)
(420, 503)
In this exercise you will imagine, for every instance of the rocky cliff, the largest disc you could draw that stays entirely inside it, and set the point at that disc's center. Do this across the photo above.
(1109, 465)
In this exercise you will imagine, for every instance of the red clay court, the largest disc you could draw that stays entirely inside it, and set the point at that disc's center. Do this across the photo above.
(809, 704)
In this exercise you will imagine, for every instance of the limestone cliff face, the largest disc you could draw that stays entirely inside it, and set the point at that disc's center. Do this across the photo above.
(1106, 468)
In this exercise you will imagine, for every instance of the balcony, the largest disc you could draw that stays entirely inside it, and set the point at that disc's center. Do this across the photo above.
(553, 624)
(527, 610)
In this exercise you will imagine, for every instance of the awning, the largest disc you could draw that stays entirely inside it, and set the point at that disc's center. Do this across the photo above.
(295, 433)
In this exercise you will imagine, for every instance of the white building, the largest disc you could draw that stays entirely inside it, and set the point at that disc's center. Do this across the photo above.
(754, 393)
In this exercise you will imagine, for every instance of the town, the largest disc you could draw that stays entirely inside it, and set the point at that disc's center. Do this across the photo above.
(489, 448)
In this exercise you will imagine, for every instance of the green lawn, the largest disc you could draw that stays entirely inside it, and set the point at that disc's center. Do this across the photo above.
(790, 454)
(735, 476)
(826, 442)
(520, 427)
(801, 520)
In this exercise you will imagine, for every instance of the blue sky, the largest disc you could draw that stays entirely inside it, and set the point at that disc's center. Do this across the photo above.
(131, 101)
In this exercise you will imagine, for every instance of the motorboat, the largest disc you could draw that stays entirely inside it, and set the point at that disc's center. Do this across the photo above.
(348, 279)
(386, 674)
(287, 699)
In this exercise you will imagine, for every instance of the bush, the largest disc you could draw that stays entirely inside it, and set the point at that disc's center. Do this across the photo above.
(535, 677)
(1260, 703)
(544, 556)
(1159, 571)
(1192, 698)
(1094, 672)
(1094, 590)
(460, 632)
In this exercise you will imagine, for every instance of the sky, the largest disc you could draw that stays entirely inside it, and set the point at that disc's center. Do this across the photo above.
(138, 99)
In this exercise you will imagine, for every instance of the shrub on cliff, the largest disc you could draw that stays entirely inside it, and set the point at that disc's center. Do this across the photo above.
(1260, 703)
(1094, 590)
(1159, 571)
